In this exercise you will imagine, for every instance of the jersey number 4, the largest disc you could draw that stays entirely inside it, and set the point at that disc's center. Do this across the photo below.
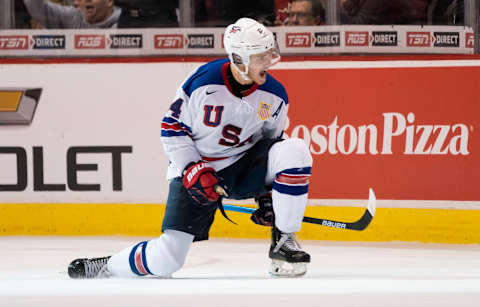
(176, 108)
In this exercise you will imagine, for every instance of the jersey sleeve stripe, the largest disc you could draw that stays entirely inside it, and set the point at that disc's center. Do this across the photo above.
(169, 133)
(175, 127)
(171, 120)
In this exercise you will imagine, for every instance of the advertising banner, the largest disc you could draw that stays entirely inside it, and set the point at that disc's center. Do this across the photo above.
(209, 41)
(91, 132)
(412, 133)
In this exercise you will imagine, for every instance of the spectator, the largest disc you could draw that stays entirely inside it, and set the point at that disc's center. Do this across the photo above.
(305, 13)
(89, 14)
(78, 3)
(74, 3)
(22, 18)
(220, 13)
(381, 12)
(36, 25)
(281, 11)
(446, 12)
(148, 13)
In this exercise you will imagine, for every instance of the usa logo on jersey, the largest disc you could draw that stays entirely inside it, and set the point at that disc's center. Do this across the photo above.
(264, 110)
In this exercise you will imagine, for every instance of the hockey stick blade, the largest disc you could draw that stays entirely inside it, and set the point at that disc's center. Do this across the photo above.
(359, 225)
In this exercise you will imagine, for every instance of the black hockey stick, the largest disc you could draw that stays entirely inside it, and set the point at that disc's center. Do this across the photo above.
(361, 224)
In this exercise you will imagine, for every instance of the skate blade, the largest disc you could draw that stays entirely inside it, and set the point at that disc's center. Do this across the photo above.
(280, 268)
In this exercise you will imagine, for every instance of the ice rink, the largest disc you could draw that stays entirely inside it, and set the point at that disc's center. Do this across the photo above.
(232, 272)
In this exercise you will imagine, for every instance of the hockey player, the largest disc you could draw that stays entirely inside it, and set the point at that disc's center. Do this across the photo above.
(222, 135)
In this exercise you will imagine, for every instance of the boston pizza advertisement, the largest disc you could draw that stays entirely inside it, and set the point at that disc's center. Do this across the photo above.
(409, 132)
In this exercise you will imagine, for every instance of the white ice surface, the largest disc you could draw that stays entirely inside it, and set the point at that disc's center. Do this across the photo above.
(233, 272)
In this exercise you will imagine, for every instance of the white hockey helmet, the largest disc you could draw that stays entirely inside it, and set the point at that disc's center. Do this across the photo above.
(247, 37)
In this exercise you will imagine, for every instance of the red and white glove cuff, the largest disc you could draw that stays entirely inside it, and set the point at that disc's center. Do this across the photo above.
(193, 171)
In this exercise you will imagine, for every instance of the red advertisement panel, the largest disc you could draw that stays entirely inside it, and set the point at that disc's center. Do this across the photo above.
(298, 40)
(355, 38)
(469, 40)
(410, 133)
(13, 42)
(168, 41)
(89, 41)
(418, 39)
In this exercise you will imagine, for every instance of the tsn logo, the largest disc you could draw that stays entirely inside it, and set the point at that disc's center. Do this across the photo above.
(356, 38)
(10, 42)
(298, 40)
(418, 39)
(168, 41)
(89, 42)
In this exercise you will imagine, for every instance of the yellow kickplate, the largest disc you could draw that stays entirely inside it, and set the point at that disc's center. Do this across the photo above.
(389, 224)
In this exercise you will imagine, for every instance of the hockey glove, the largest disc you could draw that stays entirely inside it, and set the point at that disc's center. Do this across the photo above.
(200, 180)
(264, 214)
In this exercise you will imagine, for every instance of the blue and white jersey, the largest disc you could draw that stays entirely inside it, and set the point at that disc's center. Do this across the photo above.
(208, 122)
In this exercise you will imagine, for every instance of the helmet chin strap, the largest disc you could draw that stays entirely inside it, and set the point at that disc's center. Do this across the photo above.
(244, 75)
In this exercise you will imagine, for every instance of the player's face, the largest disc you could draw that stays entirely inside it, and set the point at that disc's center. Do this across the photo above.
(260, 63)
(97, 10)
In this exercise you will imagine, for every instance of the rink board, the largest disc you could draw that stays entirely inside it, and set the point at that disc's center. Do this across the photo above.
(406, 127)
(389, 224)
(86, 157)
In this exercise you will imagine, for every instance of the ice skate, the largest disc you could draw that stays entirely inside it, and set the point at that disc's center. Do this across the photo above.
(89, 268)
(288, 258)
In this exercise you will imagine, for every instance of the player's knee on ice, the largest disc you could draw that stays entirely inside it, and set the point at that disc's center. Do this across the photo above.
(167, 254)
(163, 256)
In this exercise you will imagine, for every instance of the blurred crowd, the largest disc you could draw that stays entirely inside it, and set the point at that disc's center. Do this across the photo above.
(65, 14)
